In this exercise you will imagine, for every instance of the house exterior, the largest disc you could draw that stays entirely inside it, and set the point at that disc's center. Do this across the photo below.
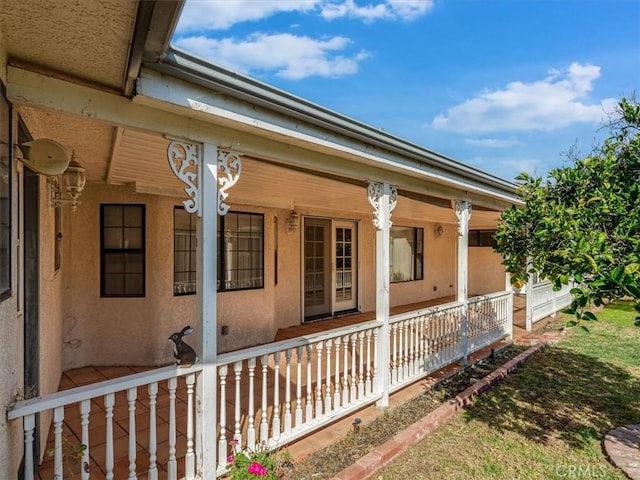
(216, 201)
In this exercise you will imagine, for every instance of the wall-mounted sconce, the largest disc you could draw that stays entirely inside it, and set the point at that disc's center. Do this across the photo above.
(66, 188)
(293, 222)
(438, 231)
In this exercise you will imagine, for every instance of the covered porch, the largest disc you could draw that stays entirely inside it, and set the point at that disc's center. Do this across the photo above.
(133, 425)
(292, 220)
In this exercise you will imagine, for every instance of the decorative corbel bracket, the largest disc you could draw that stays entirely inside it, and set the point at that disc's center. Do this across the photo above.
(183, 159)
(375, 192)
(229, 169)
(463, 213)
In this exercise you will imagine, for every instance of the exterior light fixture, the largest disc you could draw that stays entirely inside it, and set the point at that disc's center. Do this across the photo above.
(293, 222)
(438, 231)
(66, 188)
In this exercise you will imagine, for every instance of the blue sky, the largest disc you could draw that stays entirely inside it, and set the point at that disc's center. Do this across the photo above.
(503, 85)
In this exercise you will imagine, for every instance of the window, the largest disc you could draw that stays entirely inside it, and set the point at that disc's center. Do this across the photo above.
(5, 198)
(122, 241)
(481, 238)
(240, 251)
(406, 254)
(184, 252)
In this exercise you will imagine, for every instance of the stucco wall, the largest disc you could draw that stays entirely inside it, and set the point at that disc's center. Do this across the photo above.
(11, 356)
(108, 331)
(120, 331)
(49, 304)
(486, 272)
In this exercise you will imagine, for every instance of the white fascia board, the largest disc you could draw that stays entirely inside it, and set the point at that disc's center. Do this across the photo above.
(220, 107)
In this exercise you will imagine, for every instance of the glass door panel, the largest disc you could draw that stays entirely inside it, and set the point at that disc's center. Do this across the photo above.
(317, 268)
(345, 266)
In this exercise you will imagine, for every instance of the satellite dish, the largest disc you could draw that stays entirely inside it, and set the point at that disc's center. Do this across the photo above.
(45, 156)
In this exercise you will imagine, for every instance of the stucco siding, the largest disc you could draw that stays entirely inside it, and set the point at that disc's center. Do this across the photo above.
(486, 272)
(121, 331)
(11, 353)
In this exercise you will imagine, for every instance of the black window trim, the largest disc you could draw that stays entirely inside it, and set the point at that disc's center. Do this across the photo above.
(192, 218)
(8, 292)
(221, 256)
(143, 250)
(476, 234)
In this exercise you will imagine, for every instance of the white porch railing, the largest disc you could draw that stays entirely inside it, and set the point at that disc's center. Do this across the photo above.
(271, 394)
(542, 301)
(138, 395)
(490, 318)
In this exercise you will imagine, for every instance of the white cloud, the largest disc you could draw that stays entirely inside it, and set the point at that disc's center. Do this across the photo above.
(208, 15)
(205, 15)
(548, 104)
(387, 10)
(290, 56)
(492, 142)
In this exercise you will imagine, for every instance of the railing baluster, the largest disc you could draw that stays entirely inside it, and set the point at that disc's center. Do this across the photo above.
(58, 418)
(172, 465)
(394, 362)
(336, 383)
(412, 347)
(264, 426)
(153, 440)
(287, 394)
(309, 403)
(361, 370)
(223, 370)
(132, 394)
(29, 427)
(298, 421)
(85, 409)
(109, 402)
(370, 374)
(319, 347)
(237, 432)
(374, 379)
(276, 397)
(353, 391)
(251, 430)
(190, 456)
(345, 371)
(327, 395)
(405, 349)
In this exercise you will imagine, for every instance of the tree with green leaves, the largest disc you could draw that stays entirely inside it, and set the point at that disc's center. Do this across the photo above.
(582, 222)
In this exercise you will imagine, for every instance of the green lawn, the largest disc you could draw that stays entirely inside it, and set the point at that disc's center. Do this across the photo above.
(547, 419)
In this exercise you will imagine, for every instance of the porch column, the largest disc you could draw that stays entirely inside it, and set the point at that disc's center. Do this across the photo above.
(509, 288)
(463, 213)
(383, 198)
(206, 388)
(529, 299)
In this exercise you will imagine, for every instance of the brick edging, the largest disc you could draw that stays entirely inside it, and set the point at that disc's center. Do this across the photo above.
(368, 465)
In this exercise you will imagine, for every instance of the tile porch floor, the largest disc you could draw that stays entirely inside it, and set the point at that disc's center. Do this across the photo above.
(298, 449)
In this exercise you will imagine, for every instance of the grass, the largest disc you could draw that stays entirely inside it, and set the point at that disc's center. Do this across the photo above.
(328, 461)
(546, 420)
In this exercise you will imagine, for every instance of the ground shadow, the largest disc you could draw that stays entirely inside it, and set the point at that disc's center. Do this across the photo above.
(561, 394)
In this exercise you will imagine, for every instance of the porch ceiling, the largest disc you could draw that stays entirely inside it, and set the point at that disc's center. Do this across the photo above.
(139, 160)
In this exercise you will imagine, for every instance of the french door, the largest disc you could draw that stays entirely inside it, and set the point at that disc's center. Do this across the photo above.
(330, 267)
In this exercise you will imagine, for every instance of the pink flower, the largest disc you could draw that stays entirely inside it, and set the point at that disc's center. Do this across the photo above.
(234, 441)
(258, 469)
(230, 459)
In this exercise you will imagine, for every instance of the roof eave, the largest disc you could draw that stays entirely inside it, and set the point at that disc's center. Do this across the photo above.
(198, 71)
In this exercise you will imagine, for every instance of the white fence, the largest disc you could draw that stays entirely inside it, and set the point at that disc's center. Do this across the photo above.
(271, 394)
(542, 301)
